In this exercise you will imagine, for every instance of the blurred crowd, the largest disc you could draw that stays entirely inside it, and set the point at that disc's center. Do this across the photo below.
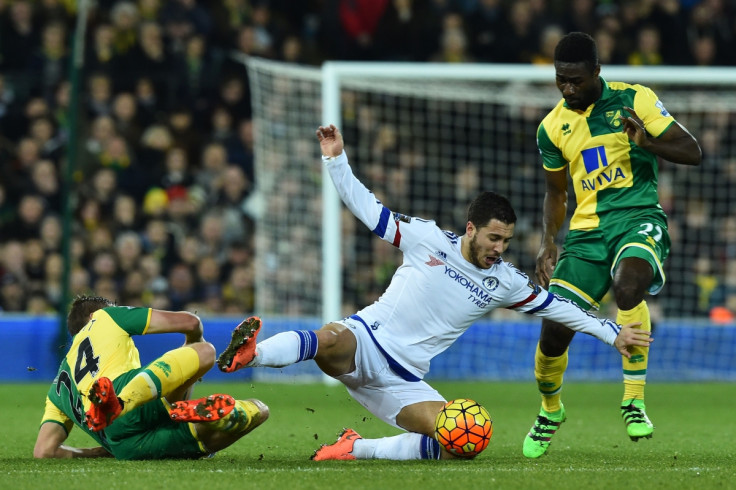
(164, 168)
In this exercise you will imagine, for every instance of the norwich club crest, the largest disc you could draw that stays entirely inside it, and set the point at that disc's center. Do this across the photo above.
(612, 118)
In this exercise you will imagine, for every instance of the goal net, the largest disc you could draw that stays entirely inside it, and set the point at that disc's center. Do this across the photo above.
(426, 138)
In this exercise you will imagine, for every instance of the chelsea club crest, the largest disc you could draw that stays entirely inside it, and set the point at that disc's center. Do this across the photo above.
(490, 283)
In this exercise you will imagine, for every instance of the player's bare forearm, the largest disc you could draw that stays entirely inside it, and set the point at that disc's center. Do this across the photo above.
(175, 322)
(546, 261)
(330, 140)
(676, 145)
(555, 204)
(555, 210)
(682, 149)
(631, 335)
(49, 445)
(76, 452)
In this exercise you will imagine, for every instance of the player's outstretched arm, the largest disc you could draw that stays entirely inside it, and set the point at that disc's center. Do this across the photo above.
(330, 140)
(364, 205)
(49, 445)
(631, 335)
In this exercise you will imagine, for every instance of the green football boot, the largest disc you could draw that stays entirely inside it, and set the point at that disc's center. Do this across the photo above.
(538, 439)
(638, 424)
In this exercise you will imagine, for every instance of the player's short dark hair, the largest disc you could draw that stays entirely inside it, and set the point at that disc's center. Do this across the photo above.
(490, 205)
(82, 308)
(577, 47)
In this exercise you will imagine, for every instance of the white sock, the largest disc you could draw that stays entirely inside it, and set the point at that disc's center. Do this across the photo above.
(398, 448)
(285, 348)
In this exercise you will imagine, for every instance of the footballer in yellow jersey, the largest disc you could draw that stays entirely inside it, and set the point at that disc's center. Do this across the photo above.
(608, 136)
(146, 414)
(608, 173)
(103, 347)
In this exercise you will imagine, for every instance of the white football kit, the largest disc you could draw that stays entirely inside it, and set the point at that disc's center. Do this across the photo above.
(436, 294)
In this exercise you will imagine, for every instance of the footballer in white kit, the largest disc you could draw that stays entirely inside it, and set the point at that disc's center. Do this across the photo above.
(445, 283)
(437, 294)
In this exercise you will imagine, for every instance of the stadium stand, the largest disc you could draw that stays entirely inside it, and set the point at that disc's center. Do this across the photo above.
(166, 168)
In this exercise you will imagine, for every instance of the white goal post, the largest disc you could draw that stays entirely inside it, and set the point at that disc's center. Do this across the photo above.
(486, 109)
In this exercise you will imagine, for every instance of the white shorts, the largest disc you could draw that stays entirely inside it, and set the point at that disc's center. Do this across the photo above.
(375, 386)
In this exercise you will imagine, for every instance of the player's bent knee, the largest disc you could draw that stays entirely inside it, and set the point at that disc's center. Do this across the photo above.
(263, 410)
(207, 354)
(326, 338)
(628, 298)
(335, 340)
(554, 339)
(553, 347)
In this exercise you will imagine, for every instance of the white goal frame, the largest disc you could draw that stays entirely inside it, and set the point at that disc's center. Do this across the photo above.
(335, 72)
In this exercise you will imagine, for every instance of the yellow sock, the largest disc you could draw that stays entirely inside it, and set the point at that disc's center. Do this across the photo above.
(549, 372)
(161, 377)
(635, 369)
(241, 419)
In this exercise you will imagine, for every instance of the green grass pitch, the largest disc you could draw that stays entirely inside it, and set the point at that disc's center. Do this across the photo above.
(692, 445)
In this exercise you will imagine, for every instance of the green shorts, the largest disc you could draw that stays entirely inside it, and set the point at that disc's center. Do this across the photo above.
(148, 433)
(589, 258)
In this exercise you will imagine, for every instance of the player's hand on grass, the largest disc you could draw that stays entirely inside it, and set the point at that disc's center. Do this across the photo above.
(330, 140)
(634, 128)
(630, 335)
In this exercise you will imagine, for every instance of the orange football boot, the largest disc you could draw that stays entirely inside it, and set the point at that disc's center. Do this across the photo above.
(207, 409)
(339, 450)
(106, 406)
(242, 348)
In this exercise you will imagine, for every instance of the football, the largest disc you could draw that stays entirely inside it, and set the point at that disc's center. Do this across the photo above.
(463, 427)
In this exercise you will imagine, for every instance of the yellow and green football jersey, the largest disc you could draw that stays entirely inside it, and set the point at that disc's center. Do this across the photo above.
(608, 171)
(103, 347)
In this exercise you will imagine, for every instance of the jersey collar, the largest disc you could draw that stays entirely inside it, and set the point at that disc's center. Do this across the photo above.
(606, 91)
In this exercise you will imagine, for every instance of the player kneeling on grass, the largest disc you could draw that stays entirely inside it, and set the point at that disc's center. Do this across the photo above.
(136, 412)
(445, 284)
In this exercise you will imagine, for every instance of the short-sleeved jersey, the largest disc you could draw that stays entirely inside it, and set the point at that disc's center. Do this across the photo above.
(436, 294)
(103, 347)
(608, 171)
